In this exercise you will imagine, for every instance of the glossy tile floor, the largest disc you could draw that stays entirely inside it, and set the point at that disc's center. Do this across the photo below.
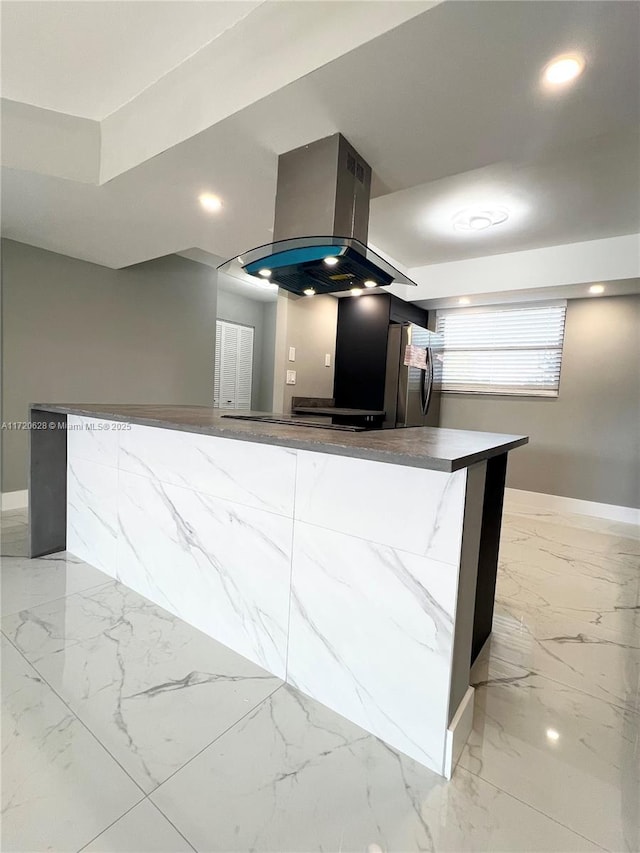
(124, 729)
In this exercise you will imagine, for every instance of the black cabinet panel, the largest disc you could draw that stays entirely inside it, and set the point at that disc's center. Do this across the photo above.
(361, 346)
(361, 350)
(489, 547)
(407, 312)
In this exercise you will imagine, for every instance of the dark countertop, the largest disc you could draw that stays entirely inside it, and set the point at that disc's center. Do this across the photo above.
(418, 447)
(334, 410)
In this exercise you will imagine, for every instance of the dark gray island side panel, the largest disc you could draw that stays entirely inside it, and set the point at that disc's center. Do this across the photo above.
(47, 482)
(488, 554)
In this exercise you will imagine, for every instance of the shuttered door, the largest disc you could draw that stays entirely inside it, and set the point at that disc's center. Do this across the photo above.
(233, 368)
(244, 367)
(216, 366)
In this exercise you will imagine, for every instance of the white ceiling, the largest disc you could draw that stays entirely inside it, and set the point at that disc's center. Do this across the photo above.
(447, 108)
(585, 192)
(89, 58)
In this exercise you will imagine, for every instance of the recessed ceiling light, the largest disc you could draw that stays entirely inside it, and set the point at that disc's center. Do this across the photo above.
(478, 219)
(309, 291)
(553, 735)
(464, 300)
(596, 289)
(264, 273)
(331, 261)
(356, 291)
(563, 69)
(370, 283)
(210, 202)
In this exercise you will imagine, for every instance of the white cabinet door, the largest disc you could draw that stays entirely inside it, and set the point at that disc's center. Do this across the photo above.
(233, 371)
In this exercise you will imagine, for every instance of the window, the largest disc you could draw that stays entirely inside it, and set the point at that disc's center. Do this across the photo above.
(503, 349)
(233, 367)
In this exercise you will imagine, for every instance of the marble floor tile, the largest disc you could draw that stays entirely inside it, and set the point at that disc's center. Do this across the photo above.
(142, 830)
(598, 585)
(12, 523)
(151, 688)
(571, 520)
(569, 755)
(285, 773)
(26, 583)
(13, 533)
(569, 550)
(60, 787)
(15, 548)
(9, 518)
(313, 781)
(592, 659)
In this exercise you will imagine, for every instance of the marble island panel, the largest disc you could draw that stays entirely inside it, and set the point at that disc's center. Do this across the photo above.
(353, 579)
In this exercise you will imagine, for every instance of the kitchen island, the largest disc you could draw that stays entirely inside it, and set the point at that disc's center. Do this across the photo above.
(357, 566)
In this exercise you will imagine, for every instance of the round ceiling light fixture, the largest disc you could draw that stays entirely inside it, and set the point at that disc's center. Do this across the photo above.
(309, 291)
(356, 291)
(210, 202)
(265, 273)
(597, 289)
(479, 219)
(331, 260)
(563, 69)
(370, 283)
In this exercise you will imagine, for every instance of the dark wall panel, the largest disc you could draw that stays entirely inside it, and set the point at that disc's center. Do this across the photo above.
(489, 547)
(361, 351)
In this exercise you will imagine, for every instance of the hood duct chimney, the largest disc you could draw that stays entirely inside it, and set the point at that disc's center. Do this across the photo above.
(323, 188)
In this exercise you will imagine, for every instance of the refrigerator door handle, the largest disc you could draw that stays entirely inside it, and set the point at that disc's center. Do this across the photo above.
(426, 386)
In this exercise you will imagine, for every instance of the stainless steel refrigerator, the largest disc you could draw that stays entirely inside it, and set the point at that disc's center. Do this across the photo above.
(411, 394)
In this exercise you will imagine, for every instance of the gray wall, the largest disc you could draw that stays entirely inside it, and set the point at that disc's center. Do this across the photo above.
(585, 443)
(78, 332)
(260, 315)
(309, 325)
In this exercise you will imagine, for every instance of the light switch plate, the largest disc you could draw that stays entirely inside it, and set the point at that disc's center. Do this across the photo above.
(291, 377)
(327, 360)
(292, 353)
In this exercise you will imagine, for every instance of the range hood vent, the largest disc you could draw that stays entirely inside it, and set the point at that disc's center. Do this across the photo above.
(323, 188)
(300, 264)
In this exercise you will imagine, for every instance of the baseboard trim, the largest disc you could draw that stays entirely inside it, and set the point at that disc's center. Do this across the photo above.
(15, 500)
(520, 498)
(458, 732)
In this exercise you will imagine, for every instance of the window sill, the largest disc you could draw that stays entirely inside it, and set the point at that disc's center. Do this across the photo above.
(535, 395)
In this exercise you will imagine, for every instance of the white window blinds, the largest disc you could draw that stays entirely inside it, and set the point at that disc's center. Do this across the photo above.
(233, 368)
(503, 349)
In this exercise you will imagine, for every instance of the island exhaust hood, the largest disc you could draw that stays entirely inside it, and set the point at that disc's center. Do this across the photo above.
(323, 189)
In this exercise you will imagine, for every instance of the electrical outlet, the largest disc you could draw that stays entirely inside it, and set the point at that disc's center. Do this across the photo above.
(292, 353)
(291, 377)
(327, 360)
